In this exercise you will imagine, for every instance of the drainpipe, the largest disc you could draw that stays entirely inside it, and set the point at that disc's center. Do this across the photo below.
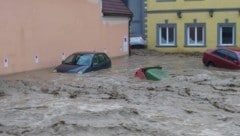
(129, 25)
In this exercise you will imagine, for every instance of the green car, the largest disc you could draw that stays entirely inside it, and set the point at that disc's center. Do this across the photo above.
(151, 73)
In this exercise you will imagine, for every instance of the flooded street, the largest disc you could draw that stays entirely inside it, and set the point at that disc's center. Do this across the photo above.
(192, 101)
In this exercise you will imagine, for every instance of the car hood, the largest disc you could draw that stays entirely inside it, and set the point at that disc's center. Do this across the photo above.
(66, 68)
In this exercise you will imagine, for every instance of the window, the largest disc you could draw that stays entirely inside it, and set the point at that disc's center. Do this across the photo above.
(232, 57)
(99, 58)
(167, 35)
(195, 34)
(226, 54)
(221, 53)
(226, 34)
(95, 60)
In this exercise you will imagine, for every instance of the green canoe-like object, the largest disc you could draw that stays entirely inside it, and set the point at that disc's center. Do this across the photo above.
(151, 73)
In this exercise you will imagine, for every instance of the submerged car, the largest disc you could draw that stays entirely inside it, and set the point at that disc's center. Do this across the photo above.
(83, 62)
(137, 41)
(151, 73)
(223, 58)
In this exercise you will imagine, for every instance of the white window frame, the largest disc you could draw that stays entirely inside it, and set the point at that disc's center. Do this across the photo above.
(187, 34)
(220, 36)
(159, 33)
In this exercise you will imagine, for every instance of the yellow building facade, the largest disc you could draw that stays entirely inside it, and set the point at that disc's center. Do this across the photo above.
(192, 25)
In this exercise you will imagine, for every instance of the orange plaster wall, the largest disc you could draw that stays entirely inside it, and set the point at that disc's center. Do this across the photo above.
(49, 28)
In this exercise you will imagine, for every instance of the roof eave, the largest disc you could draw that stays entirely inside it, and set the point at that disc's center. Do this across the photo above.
(117, 14)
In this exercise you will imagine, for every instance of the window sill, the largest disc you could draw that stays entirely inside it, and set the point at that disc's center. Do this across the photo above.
(166, 46)
(195, 46)
(226, 45)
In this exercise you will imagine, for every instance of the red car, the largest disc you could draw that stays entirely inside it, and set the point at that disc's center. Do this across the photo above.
(222, 57)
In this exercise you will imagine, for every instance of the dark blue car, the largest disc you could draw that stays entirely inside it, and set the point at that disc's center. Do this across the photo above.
(82, 62)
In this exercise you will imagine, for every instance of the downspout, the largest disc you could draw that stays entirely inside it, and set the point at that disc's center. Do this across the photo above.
(129, 25)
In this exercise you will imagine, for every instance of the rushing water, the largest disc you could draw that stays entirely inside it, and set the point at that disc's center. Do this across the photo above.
(192, 101)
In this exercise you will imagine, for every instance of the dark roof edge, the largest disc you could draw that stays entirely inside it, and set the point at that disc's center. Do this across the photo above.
(118, 14)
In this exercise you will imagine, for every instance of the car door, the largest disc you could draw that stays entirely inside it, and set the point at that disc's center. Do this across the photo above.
(232, 60)
(95, 63)
(99, 62)
(220, 59)
(106, 62)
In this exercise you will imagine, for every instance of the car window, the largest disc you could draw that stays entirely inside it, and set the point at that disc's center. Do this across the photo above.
(232, 56)
(98, 58)
(106, 57)
(221, 53)
(101, 58)
(95, 60)
(70, 59)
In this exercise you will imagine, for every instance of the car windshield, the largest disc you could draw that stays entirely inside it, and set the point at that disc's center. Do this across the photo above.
(79, 59)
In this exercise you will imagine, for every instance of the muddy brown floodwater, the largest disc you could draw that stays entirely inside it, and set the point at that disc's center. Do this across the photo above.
(192, 101)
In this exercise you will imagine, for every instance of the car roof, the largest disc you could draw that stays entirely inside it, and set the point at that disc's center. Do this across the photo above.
(88, 52)
(234, 49)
